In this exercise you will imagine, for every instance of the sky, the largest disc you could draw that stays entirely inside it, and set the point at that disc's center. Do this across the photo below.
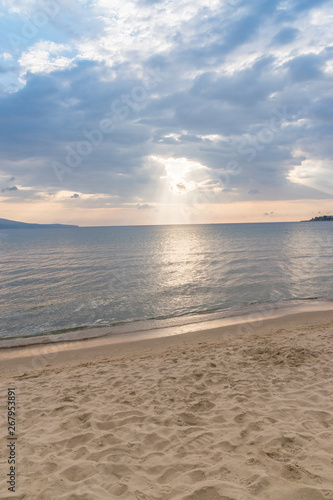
(165, 112)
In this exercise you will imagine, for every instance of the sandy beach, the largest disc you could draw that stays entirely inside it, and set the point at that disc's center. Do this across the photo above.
(224, 414)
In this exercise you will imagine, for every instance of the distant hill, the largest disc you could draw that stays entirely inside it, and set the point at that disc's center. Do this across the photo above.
(321, 218)
(12, 224)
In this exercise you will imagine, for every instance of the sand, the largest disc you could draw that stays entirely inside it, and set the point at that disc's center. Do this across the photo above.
(217, 415)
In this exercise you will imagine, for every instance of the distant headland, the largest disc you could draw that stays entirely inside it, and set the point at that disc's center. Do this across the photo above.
(319, 219)
(12, 224)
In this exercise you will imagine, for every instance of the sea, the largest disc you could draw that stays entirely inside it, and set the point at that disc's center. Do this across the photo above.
(84, 282)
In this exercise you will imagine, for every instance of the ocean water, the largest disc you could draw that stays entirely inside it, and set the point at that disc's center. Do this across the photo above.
(144, 277)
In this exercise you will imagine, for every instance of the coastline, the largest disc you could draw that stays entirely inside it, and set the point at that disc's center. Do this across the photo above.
(18, 359)
(218, 413)
(144, 329)
(230, 328)
(207, 414)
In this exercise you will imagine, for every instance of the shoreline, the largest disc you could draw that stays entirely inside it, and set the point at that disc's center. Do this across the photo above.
(156, 327)
(131, 330)
(219, 413)
(142, 342)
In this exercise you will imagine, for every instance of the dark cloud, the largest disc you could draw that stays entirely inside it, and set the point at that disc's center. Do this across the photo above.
(302, 5)
(145, 206)
(305, 67)
(253, 192)
(13, 188)
(285, 36)
(246, 88)
(189, 138)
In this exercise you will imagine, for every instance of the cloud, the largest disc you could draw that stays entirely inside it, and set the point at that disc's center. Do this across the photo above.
(301, 5)
(305, 67)
(203, 101)
(145, 206)
(179, 188)
(253, 192)
(13, 188)
(285, 36)
(45, 57)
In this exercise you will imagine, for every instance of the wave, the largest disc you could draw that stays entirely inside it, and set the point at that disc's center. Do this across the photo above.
(202, 320)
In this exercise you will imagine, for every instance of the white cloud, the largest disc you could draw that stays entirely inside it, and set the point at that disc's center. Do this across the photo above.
(184, 176)
(44, 57)
(313, 173)
(6, 56)
(315, 33)
(66, 195)
(133, 28)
